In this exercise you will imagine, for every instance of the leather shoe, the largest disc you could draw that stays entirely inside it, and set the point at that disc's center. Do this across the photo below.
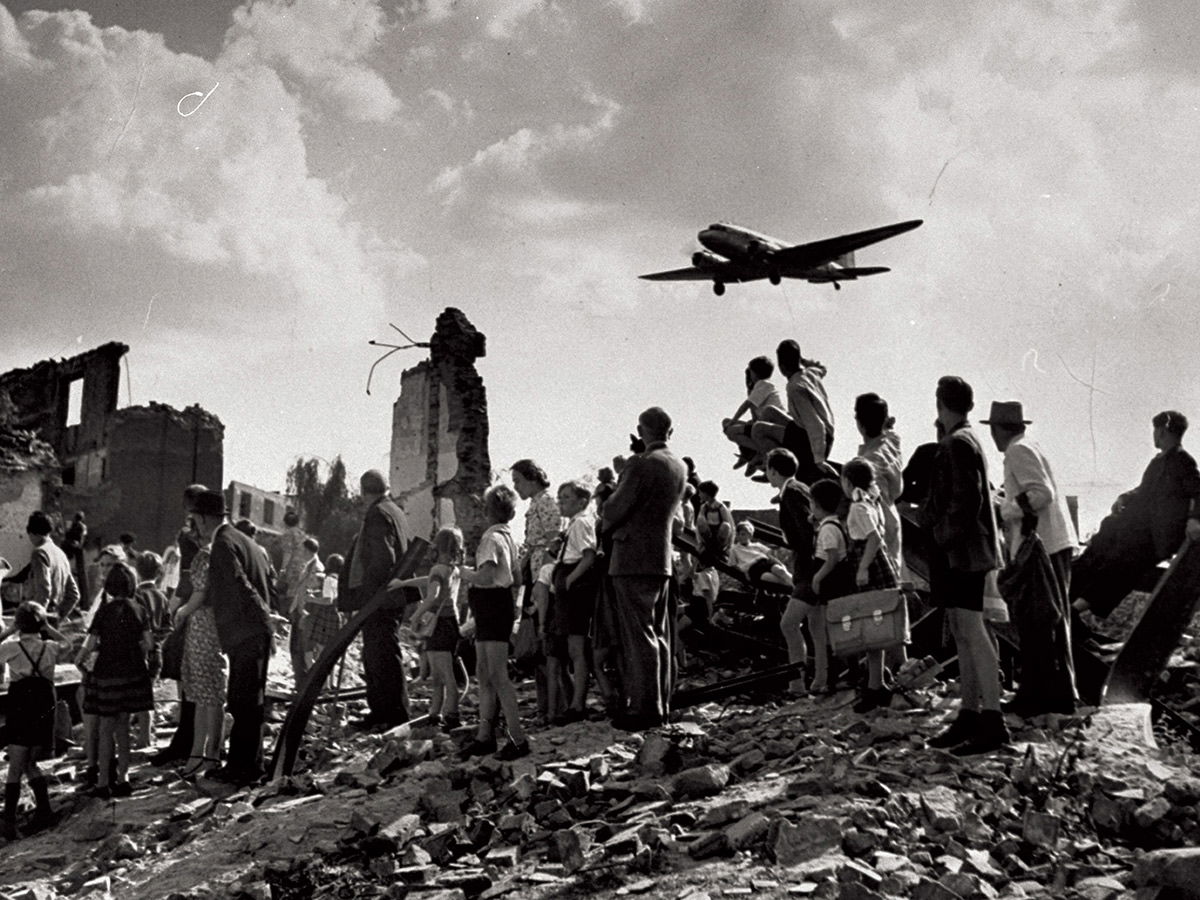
(990, 734)
(631, 722)
(477, 748)
(234, 775)
(960, 730)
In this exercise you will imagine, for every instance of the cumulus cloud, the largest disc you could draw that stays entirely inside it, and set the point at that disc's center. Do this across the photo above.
(512, 162)
(99, 149)
(323, 44)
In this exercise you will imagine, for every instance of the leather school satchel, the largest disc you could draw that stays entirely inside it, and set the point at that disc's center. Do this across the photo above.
(871, 620)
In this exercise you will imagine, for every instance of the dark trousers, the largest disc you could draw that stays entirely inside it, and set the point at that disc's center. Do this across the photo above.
(1046, 657)
(383, 666)
(245, 702)
(640, 605)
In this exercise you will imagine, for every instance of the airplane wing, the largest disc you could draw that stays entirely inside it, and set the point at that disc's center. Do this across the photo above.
(805, 256)
(691, 273)
(727, 272)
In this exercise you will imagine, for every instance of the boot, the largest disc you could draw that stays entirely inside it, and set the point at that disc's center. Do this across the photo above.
(990, 734)
(872, 699)
(43, 815)
(960, 730)
(12, 794)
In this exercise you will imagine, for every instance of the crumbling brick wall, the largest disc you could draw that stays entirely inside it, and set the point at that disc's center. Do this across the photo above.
(41, 397)
(440, 463)
(125, 468)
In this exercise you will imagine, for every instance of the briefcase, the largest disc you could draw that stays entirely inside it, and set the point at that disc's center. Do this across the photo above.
(873, 620)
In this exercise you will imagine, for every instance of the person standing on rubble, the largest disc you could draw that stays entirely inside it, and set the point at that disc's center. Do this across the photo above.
(963, 550)
(239, 592)
(1033, 503)
(370, 563)
(639, 515)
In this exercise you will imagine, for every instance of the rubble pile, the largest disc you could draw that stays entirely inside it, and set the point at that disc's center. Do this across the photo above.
(804, 799)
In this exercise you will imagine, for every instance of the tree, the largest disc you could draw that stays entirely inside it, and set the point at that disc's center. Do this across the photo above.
(328, 511)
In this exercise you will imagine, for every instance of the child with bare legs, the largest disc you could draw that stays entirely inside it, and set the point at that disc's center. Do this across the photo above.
(495, 607)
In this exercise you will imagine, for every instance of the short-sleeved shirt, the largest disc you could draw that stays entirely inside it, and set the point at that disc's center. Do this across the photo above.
(581, 536)
(864, 519)
(329, 588)
(496, 546)
(829, 537)
(764, 394)
(19, 666)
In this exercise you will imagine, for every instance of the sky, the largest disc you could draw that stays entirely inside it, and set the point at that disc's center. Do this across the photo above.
(247, 193)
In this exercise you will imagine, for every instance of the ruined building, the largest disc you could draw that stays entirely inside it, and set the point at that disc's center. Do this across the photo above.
(440, 464)
(124, 468)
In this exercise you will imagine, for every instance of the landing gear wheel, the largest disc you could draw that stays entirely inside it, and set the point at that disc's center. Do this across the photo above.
(718, 288)
(836, 286)
(774, 278)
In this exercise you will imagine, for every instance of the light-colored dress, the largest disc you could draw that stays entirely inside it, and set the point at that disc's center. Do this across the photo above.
(205, 669)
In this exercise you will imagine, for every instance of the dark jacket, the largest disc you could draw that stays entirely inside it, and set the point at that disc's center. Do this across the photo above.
(238, 588)
(640, 512)
(795, 508)
(381, 542)
(958, 509)
(1159, 506)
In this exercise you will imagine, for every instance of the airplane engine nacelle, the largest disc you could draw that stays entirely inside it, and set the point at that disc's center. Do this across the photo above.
(702, 259)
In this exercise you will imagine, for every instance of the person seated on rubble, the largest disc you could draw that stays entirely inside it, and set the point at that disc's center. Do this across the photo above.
(755, 560)
(714, 532)
(1147, 524)
(761, 394)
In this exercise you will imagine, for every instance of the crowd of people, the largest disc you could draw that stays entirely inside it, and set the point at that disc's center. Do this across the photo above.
(603, 584)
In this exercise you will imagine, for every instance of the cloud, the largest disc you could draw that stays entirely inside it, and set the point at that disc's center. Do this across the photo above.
(511, 164)
(456, 110)
(324, 45)
(98, 149)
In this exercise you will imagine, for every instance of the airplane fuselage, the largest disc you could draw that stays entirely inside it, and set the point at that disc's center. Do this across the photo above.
(737, 243)
(735, 254)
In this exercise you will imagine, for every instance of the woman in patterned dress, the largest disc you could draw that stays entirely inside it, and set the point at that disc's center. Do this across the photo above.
(205, 670)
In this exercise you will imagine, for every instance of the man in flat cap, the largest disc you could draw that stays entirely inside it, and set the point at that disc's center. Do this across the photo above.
(381, 542)
(1033, 505)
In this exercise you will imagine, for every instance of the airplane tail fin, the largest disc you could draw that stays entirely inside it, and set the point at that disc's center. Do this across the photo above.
(846, 260)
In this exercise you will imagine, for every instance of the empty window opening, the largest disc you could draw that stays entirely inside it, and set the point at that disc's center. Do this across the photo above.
(244, 505)
(74, 402)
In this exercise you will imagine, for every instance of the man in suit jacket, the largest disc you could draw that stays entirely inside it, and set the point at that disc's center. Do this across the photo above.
(381, 542)
(959, 512)
(239, 592)
(639, 517)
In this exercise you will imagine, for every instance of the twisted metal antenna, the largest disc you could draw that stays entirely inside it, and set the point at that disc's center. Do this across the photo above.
(394, 348)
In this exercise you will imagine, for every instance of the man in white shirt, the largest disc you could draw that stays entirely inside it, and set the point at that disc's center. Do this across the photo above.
(1030, 492)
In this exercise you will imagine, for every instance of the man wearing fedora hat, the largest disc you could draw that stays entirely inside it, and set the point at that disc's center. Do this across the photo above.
(239, 592)
(1032, 496)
